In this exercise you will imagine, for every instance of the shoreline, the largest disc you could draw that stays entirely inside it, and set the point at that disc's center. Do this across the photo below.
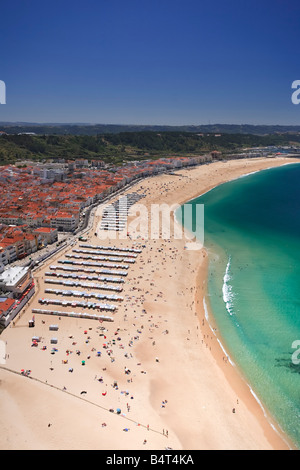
(166, 282)
(234, 375)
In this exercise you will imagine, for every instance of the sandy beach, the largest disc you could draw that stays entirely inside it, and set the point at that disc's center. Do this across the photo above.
(159, 362)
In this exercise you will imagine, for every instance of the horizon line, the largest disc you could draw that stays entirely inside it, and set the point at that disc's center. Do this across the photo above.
(139, 125)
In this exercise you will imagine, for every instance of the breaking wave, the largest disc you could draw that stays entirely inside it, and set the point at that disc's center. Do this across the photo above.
(227, 289)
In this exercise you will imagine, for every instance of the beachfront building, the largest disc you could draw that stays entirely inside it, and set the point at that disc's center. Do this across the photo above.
(65, 221)
(16, 288)
(15, 280)
(46, 235)
(6, 309)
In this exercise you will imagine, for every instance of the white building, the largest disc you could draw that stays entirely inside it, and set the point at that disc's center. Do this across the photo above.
(16, 280)
(47, 235)
(17, 288)
(8, 253)
(3, 257)
(64, 222)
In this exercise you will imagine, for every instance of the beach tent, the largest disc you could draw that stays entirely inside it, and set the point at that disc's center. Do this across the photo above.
(36, 338)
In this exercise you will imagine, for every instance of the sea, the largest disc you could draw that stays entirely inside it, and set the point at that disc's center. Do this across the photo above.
(252, 235)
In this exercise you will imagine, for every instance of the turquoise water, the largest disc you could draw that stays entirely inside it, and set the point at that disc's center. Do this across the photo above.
(252, 233)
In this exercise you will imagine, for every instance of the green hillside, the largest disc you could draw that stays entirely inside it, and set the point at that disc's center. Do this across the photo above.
(125, 146)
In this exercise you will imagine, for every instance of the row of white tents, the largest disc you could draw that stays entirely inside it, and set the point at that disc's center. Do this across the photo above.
(118, 254)
(101, 265)
(111, 259)
(115, 214)
(85, 270)
(91, 316)
(91, 263)
(70, 277)
(78, 293)
(76, 303)
(112, 248)
(84, 285)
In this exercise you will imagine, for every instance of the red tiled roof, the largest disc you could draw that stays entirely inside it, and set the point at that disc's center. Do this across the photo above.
(6, 305)
(45, 229)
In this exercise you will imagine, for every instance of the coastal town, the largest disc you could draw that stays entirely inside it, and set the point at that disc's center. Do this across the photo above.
(149, 228)
(70, 261)
(42, 202)
(103, 335)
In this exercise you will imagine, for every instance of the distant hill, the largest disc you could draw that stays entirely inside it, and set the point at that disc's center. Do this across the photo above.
(96, 129)
(117, 148)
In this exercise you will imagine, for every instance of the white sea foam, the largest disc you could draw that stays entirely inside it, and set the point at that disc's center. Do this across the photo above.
(225, 352)
(258, 401)
(228, 294)
(206, 314)
(205, 308)
(248, 174)
(275, 428)
(221, 345)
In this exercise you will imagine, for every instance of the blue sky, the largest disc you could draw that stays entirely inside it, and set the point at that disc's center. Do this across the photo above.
(169, 62)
